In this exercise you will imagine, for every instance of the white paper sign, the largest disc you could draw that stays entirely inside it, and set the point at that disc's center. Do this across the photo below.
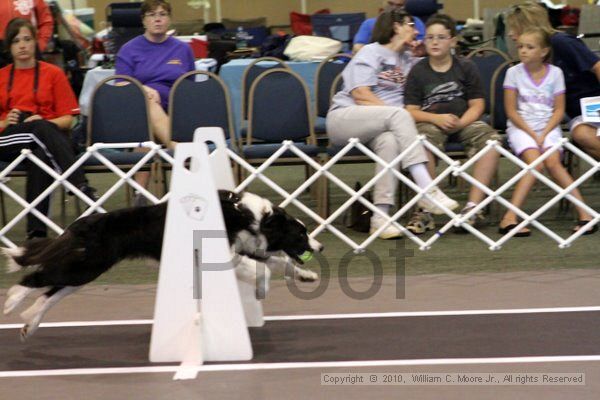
(590, 109)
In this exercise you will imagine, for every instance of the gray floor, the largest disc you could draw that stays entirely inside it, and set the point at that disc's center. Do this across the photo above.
(433, 292)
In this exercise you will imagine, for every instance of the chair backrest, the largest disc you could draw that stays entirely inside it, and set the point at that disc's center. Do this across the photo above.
(336, 86)
(279, 108)
(497, 112)
(340, 27)
(326, 73)
(119, 112)
(251, 72)
(199, 99)
(487, 60)
(125, 21)
(422, 9)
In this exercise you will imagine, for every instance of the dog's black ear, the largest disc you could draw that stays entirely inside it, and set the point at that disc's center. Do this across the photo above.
(273, 220)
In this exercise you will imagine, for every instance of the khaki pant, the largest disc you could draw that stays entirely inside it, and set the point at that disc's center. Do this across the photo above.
(473, 136)
(384, 129)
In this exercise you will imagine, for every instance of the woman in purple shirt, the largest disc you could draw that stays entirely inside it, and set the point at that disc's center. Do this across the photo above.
(156, 60)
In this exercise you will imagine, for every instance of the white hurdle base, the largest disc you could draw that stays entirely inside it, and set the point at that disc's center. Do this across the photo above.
(193, 326)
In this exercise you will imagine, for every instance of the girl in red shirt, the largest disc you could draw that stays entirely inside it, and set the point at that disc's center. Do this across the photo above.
(36, 108)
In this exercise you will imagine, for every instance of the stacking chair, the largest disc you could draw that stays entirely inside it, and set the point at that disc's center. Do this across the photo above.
(200, 99)
(422, 9)
(487, 60)
(252, 71)
(279, 109)
(125, 23)
(327, 71)
(118, 114)
(340, 27)
(496, 90)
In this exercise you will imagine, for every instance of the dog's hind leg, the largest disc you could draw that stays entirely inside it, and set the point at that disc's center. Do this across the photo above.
(34, 314)
(15, 296)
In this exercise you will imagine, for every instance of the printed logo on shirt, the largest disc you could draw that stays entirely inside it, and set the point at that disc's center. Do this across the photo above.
(175, 61)
(443, 93)
(537, 98)
(390, 77)
(23, 7)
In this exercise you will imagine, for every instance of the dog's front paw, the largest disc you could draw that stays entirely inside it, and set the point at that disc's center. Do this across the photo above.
(305, 275)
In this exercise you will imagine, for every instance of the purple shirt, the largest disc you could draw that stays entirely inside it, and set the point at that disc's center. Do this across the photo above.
(157, 65)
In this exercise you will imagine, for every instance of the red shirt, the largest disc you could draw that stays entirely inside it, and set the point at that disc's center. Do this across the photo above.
(54, 97)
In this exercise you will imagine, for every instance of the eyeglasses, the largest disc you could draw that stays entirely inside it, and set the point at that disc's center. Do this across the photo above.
(408, 23)
(441, 38)
(157, 15)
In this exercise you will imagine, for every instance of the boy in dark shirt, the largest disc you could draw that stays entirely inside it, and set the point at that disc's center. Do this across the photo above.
(444, 96)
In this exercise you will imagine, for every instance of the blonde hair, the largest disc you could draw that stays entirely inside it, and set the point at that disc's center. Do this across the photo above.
(543, 40)
(528, 15)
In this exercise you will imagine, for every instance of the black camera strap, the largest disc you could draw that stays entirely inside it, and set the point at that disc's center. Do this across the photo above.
(11, 78)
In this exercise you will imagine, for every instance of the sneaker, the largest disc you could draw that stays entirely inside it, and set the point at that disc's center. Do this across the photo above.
(435, 193)
(420, 222)
(139, 200)
(390, 232)
(474, 220)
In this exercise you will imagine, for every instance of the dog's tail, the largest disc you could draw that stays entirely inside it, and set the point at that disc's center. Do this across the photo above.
(39, 251)
(11, 254)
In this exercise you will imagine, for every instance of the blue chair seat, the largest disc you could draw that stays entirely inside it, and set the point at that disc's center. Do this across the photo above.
(267, 149)
(118, 158)
(454, 147)
(334, 149)
(211, 147)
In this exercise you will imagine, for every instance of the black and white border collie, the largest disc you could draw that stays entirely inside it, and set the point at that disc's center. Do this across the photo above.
(262, 237)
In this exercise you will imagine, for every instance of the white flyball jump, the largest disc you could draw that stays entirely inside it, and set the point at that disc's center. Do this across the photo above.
(202, 311)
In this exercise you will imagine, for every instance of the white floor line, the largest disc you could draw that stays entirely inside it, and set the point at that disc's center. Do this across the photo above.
(336, 316)
(434, 313)
(298, 365)
(72, 324)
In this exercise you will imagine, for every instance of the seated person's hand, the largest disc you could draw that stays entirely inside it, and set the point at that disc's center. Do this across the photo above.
(417, 47)
(31, 118)
(152, 94)
(447, 122)
(12, 118)
(540, 140)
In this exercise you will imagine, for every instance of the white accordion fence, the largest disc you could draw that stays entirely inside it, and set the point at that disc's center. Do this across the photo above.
(323, 171)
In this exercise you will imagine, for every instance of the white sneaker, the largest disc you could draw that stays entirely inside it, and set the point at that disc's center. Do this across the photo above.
(390, 232)
(440, 197)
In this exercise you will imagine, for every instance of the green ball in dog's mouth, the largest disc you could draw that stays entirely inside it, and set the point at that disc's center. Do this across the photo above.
(306, 256)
